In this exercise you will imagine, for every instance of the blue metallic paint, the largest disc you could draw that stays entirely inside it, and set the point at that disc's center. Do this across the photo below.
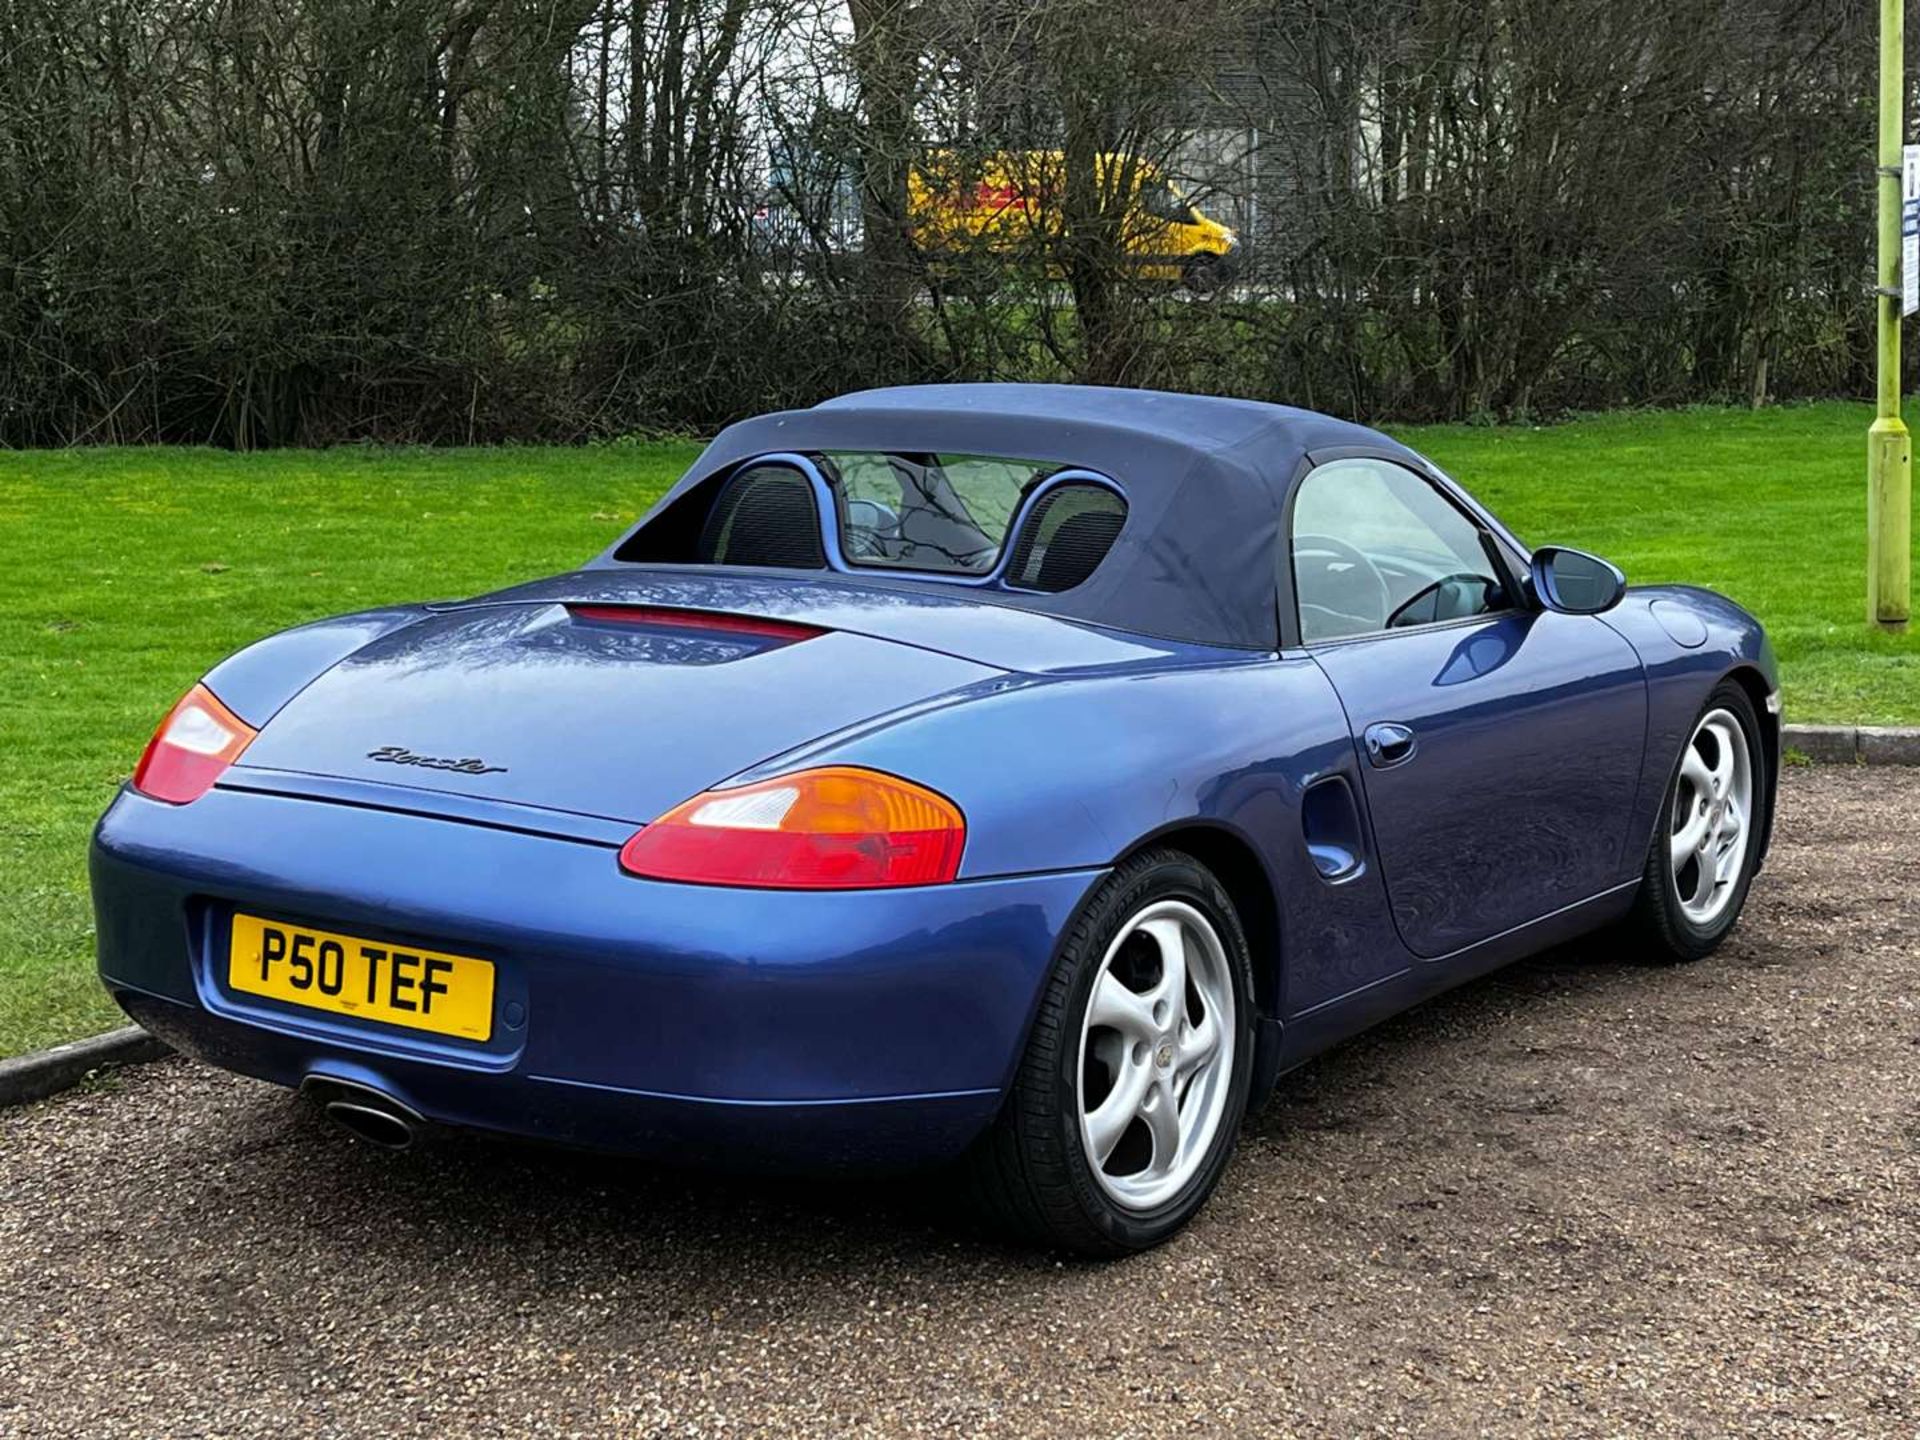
(1081, 771)
(789, 1003)
(1679, 679)
(504, 683)
(255, 682)
(948, 620)
(1550, 711)
(883, 1026)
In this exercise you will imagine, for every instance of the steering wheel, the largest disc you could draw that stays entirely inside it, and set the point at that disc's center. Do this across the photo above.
(873, 530)
(1352, 587)
(1470, 590)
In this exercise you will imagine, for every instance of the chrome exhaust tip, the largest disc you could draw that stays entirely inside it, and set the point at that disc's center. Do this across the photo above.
(375, 1126)
(364, 1112)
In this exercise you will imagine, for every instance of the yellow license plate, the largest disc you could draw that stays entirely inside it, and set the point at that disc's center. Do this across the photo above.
(399, 984)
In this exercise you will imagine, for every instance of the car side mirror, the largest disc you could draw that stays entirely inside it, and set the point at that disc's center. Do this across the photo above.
(1575, 582)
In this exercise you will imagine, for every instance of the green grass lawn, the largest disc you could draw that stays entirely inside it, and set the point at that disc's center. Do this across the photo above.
(124, 574)
(1769, 508)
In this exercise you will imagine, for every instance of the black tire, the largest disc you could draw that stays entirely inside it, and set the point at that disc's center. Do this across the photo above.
(1658, 920)
(1203, 275)
(1030, 1171)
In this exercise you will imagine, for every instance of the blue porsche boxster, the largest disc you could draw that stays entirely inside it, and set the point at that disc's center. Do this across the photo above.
(1016, 776)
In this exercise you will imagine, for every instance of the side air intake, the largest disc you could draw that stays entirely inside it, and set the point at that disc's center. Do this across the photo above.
(1066, 537)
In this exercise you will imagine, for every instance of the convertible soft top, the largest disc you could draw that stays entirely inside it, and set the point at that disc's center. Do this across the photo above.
(1205, 479)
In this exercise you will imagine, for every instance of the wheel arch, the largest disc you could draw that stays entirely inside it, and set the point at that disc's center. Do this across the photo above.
(1754, 682)
(1236, 864)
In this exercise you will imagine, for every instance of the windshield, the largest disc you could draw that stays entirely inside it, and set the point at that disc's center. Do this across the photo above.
(1160, 200)
(943, 513)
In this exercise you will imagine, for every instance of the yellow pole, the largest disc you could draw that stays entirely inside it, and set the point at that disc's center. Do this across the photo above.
(1889, 449)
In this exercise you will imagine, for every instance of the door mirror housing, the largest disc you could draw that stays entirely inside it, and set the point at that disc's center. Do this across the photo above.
(1575, 582)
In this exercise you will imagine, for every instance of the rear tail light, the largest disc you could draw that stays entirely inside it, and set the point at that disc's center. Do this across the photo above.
(198, 740)
(836, 828)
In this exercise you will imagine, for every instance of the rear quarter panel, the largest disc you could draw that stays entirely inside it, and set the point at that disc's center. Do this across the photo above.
(1070, 772)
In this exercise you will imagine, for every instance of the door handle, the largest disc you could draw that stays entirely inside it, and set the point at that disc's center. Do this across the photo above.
(1388, 744)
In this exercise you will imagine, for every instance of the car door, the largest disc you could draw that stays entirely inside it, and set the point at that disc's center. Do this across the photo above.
(1499, 743)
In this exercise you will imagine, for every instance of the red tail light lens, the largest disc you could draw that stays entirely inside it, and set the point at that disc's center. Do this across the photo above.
(199, 738)
(836, 828)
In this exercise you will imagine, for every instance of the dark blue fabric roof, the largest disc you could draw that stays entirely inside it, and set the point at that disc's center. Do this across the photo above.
(1206, 480)
(1197, 422)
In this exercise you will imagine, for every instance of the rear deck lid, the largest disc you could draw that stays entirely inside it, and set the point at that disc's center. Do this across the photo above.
(967, 621)
(596, 709)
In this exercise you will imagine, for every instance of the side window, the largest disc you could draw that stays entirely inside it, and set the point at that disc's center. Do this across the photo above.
(1375, 547)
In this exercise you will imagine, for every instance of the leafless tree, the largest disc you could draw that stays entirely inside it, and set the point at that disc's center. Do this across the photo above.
(292, 221)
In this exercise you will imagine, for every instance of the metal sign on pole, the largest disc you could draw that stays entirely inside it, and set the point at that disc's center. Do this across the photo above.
(1910, 230)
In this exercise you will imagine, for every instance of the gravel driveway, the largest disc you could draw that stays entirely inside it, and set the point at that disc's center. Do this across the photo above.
(1581, 1197)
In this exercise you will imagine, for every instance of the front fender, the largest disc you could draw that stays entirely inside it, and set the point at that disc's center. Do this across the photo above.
(1689, 640)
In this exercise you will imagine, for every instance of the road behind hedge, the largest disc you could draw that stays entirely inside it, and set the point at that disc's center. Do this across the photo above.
(1581, 1197)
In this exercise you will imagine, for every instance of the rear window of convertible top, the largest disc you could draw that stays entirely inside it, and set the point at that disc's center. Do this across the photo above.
(935, 514)
(942, 513)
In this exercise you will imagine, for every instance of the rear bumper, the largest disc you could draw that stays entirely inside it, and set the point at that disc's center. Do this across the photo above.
(784, 1028)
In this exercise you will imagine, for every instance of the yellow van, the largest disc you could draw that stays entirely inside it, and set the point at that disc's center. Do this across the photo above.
(1003, 203)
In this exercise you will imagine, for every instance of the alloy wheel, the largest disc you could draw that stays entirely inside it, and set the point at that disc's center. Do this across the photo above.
(1156, 1054)
(1712, 820)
